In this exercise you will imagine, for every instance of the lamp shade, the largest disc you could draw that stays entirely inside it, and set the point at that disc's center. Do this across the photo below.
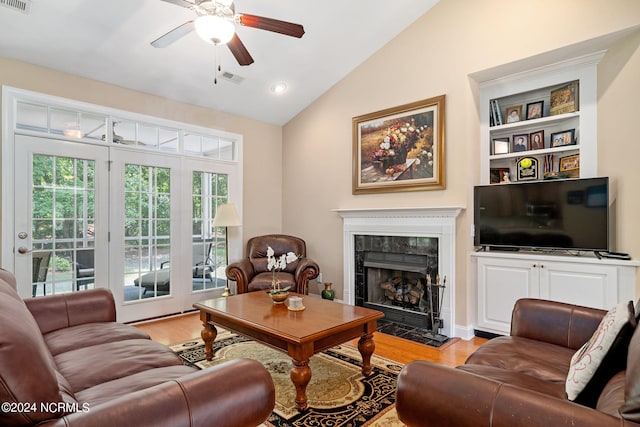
(227, 216)
(214, 29)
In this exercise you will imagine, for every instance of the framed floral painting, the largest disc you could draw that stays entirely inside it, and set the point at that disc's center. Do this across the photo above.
(400, 148)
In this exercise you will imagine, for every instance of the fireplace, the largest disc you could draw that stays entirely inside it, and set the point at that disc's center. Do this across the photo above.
(407, 252)
(398, 275)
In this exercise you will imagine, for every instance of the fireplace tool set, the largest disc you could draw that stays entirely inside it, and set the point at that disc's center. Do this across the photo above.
(435, 315)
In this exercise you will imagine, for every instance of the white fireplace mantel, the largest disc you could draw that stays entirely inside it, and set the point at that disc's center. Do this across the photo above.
(438, 222)
(447, 211)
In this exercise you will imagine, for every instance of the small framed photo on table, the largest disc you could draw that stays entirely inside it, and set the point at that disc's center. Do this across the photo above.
(500, 146)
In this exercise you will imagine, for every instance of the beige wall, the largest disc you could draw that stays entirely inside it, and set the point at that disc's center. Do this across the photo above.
(435, 57)
(311, 155)
(262, 203)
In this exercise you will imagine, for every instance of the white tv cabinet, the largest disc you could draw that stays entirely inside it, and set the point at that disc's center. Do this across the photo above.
(504, 277)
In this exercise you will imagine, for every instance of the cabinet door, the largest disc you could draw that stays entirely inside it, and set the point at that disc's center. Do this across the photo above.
(501, 282)
(581, 284)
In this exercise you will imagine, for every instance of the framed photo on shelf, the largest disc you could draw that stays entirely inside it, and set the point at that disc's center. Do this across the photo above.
(400, 148)
(499, 175)
(566, 137)
(514, 113)
(520, 142)
(534, 110)
(536, 140)
(501, 146)
(569, 166)
(564, 99)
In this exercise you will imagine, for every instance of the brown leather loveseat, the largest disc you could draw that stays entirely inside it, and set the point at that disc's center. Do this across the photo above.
(519, 380)
(64, 361)
(251, 273)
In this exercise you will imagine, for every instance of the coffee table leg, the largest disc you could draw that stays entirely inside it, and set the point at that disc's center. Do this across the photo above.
(366, 345)
(209, 333)
(300, 376)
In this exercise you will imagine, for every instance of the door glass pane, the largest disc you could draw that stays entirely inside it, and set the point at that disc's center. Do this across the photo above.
(209, 245)
(147, 232)
(62, 224)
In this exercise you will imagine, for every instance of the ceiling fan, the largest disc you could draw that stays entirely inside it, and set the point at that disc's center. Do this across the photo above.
(216, 24)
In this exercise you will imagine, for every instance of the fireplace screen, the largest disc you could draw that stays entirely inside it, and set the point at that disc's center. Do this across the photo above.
(405, 286)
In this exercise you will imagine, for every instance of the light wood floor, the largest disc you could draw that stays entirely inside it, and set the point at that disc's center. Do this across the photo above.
(177, 329)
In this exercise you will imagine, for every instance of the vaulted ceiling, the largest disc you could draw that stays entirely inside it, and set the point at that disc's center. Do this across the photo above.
(109, 41)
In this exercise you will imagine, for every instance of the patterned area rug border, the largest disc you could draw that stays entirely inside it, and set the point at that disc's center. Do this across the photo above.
(369, 401)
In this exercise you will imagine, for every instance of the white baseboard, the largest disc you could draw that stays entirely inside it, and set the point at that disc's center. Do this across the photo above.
(464, 332)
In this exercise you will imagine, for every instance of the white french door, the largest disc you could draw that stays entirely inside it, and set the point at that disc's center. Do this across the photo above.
(60, 216)
(208, 252)
(137, 223)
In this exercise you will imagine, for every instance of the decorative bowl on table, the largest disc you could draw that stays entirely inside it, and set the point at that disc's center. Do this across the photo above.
(278, 296)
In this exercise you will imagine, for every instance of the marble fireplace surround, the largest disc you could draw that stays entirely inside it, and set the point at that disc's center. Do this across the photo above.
(438, 222)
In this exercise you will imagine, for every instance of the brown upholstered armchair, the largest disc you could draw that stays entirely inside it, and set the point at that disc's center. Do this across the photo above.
(251, 273)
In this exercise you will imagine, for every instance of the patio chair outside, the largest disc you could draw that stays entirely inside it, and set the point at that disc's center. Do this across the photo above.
(40, 268)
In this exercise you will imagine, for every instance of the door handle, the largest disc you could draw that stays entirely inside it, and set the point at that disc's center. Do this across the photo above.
(23, 250)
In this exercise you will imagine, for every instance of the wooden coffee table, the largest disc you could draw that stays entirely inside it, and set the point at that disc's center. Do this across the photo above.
(321, 325)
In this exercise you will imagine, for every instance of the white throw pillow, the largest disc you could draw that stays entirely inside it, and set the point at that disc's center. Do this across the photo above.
(610, 338)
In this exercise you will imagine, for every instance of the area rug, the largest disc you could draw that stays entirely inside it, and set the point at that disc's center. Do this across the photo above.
(339, 395)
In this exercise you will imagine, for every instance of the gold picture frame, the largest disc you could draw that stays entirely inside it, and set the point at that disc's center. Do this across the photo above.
(400, 148)
(564, 99)
(570, 166)
(514, 114)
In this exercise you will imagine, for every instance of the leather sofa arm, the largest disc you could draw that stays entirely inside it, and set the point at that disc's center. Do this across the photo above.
(238, 393)
(554, 322)
(458, 398)
(240, 272)
(307, 269)
(76, 308)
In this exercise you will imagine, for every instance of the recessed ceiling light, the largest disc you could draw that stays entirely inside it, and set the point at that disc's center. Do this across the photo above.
(279, 88)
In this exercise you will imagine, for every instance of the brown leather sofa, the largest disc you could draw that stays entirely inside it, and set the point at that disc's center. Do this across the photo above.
(519, 380)
(251, 273)
(64, 361)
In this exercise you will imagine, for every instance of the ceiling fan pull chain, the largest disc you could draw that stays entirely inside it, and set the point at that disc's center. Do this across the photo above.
(217, 66)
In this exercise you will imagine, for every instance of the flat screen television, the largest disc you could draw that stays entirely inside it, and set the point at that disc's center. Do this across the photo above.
(569, 214)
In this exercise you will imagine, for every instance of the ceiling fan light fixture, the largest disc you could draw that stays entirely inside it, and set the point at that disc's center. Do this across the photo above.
(214, 29)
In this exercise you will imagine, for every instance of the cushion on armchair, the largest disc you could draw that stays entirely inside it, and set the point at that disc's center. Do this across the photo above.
(602, 356)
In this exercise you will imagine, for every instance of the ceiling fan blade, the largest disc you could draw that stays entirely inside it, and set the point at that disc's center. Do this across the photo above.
(269, 24)
(239, 51)
(173, 35)
(182, 3)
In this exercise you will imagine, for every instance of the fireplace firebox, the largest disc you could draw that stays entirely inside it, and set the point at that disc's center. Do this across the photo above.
(399, 276)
